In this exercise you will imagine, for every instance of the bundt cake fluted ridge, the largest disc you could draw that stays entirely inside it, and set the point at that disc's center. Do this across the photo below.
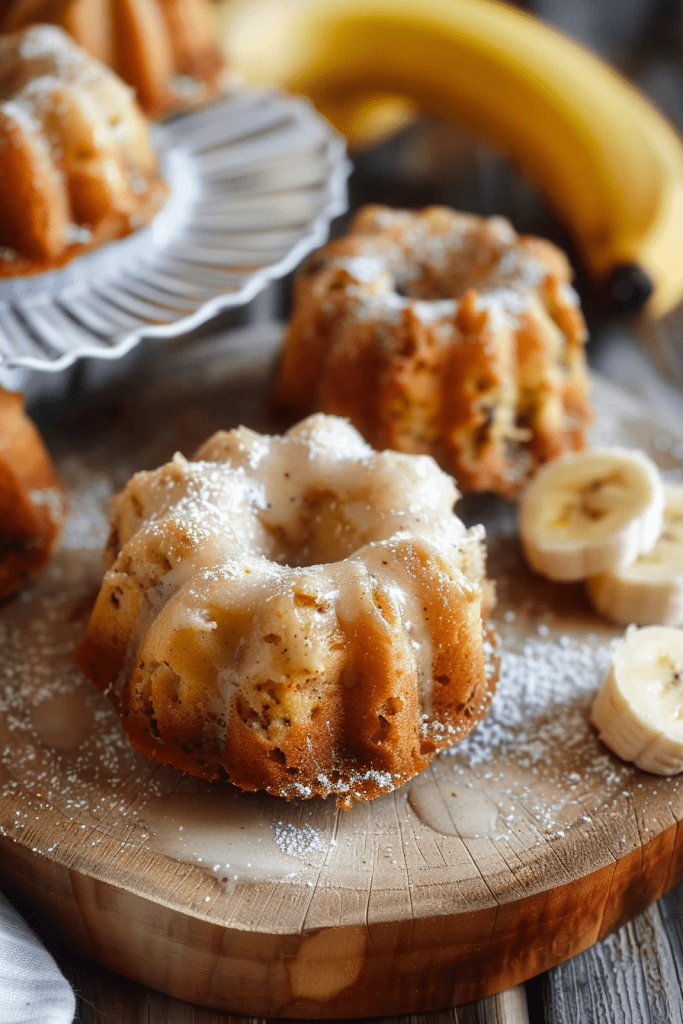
(76, 161)
(166, 50)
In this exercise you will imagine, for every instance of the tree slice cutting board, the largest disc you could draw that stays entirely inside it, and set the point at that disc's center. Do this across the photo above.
(518, 849)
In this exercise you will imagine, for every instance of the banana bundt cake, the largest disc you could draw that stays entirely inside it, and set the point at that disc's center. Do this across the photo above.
(76, 162)
(166, 50)
(30, 497)
(444, 333)
(298, 614)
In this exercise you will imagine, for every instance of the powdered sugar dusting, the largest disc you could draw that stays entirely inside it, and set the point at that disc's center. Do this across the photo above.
(298, 841)
(541, 700)
(88, 522)
(363, 268)
(534, 767)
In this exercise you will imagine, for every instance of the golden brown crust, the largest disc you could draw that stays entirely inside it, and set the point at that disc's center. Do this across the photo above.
(76, 160)
(443, 333)
(330, 646)
(355, 730)
(30, 497)
(167, 50)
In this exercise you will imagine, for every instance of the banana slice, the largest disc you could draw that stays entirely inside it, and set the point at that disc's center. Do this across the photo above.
(591, 512)
(638, 711)
(650, 590)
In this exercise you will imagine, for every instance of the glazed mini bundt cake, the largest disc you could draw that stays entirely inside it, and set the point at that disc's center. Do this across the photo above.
(297, 613)
(76, 162)
(443, 333)
(30, 497)
(167, 50)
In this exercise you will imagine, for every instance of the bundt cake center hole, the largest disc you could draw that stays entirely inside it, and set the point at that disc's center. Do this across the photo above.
(420, 290)
(318, 532)
(425, 285)
(429, 284)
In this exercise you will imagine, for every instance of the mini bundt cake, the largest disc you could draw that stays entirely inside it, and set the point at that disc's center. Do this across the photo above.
(76, 162)
(443, 333)
(30, 497)
(167, 50)
(298, 614)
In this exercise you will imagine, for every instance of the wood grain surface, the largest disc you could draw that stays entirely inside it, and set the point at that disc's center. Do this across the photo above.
(633, 977)
(520, 849)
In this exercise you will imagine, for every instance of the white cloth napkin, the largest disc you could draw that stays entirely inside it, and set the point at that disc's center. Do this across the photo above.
(32, 988)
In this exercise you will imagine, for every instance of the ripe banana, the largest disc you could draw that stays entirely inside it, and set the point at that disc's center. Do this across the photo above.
(650, 590)
(608, 162)
(638, 711)
(591, 512)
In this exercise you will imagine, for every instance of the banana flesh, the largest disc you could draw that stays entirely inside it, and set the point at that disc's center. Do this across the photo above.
(591, 512)
(649, 591)
(638, 711)
(607, 161)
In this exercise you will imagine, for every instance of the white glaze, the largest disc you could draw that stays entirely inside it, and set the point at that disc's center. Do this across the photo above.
(258, 525)
(232, 838)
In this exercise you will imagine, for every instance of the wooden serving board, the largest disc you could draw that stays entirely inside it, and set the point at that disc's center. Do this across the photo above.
(507, 856)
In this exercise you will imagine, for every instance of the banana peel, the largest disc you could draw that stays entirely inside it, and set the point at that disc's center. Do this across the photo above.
(607, 161)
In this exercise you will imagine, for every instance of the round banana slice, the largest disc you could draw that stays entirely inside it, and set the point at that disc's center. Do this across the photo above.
(591, 512)
(638, 711)
(650, 590)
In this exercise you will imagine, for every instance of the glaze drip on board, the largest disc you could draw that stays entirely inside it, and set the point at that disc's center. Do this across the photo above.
(235, 840)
